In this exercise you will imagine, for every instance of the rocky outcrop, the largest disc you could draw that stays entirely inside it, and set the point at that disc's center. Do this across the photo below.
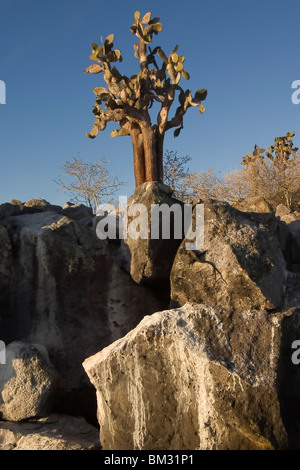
(259, 209)
(240, 265)
(256, 205)
(215, 373)
(289, 234)
(29, 384)
(38, 205)
(200, 377)
(8, 210)
(54, 432)
(78, 212)
(61, 288)
(288, 223)
(151, 259)
(5, 265)
(16, 207)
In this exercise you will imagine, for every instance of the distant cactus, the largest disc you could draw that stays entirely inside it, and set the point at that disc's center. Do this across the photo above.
(276, 175)
(280, 153)
(282, 150)
(127, 100)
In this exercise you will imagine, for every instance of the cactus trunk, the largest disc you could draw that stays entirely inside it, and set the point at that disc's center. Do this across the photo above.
(150, 153)
(147, 155)
(138, 156)
(159, 157)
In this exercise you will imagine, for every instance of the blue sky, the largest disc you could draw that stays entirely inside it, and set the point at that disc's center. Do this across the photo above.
(246, 53)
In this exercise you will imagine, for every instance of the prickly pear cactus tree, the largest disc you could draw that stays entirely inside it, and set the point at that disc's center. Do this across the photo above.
(282, 152)
(276, 175)
(127, 100)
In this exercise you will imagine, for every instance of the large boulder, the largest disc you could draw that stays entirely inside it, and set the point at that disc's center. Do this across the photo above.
(54, 432)
(29, 384)
(151, 259)
(63, 290)
(200, 378)
(239, 266)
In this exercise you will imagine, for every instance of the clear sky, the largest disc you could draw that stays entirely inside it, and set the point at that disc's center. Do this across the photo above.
(246, 53)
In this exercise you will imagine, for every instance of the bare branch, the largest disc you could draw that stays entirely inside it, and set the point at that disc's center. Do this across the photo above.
(90, 183)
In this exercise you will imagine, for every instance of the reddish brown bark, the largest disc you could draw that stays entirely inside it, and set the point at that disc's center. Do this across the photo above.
(147, 154)
(150, 154)
(138, 156)
(159, 157)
